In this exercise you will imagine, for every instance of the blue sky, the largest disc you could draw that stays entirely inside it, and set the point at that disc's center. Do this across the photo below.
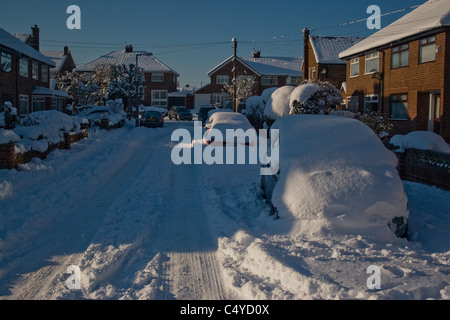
(192, 36)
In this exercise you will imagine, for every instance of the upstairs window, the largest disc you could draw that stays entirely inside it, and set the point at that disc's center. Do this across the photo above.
(5, 62)
(372, 63)
(427, 49)
(23, 66)
(400, 56)
(35, 71)
(157, 77)
(222, 79)
(44, 75)
(354, 67)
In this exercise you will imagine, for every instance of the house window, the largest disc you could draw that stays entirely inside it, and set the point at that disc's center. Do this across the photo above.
(44, 75)
(292, 80)
(222, 79)
(372, 63)
(269, 81)
(219, 98)
(353, 104)
(371, 103)
(38, 104)
(23, 66)
(35, 71)
(427, 49)
(5, 62)
(159, 98)
(400, 56)
(354, 67)
(399, 107)
(157, 77)
(24, 104)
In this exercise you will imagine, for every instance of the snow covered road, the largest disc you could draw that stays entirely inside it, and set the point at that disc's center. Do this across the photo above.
(116, 207)
(139, 227)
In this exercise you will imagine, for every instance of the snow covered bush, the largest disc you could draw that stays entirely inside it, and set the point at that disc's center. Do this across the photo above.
(421, 140)
(255, 111)
(8, 117)
(377, 122)
(315, 97)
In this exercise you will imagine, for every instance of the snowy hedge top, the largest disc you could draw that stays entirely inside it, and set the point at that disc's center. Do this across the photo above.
(422, 140)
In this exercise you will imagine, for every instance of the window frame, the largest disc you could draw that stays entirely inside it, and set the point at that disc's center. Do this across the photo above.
(158, 101)
(158, 77)
(8, 56)
(269, 81)
(401, 99)
(370, 57)
(37, 99)
(400, 50)
(35, 70)
(428, 43)
(22, 62)
(24, 98)
(222, 79)
(354, 62)
(371, 99)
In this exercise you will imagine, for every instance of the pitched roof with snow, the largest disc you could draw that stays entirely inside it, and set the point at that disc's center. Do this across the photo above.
(268, 66)
(433, 14)
(58, 58)
(13, 43)
(147, 62)
(327, 49)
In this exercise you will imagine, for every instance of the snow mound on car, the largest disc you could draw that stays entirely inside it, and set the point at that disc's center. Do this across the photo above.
(336, 177)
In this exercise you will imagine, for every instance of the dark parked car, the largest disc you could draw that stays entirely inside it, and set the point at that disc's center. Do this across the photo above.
(152, 119)
(180, 113)
(203, 113)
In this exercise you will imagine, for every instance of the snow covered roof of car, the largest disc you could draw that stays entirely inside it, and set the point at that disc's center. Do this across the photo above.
(147, 62)
(9, 41)
(433, 14)
(327, 49)
(268, 66)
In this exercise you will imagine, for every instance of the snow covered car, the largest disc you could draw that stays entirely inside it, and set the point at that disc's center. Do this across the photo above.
(220, 122)
(152, 119)
(180, 113)
(336, 177)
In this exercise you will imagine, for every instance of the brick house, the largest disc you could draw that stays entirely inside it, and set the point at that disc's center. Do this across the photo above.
(268, 72)
(25, 74)
(160, 80)
(321, 59)
(63, 60)
(403, 71)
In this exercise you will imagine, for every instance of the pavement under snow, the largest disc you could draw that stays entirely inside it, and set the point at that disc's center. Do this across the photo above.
(140, 227)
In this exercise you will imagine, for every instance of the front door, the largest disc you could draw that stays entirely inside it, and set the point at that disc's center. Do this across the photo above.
(434, 112)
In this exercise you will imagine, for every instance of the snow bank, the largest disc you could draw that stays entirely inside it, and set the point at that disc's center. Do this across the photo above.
(7, 136)
(422, 140)
(336, 177)
(48, 125)
(277, 105)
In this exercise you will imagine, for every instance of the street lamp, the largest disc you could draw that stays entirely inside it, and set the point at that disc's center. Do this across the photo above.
(136, 70)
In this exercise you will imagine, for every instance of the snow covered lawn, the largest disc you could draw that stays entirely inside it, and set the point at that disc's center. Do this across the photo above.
(139, 227)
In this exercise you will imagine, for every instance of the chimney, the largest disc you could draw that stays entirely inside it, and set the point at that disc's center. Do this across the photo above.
(35, 37)
(128, 48)
(305, 54)
(256, 54)
(66, 50)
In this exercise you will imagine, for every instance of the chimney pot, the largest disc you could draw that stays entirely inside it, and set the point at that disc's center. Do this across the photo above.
(128, 48)
(35, 37)
(66, 50)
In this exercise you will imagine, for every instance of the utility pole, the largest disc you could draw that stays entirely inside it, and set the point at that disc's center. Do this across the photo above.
(235, 106)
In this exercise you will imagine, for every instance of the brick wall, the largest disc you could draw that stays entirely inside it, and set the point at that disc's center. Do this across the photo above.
(7, 156)
(417, 80)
